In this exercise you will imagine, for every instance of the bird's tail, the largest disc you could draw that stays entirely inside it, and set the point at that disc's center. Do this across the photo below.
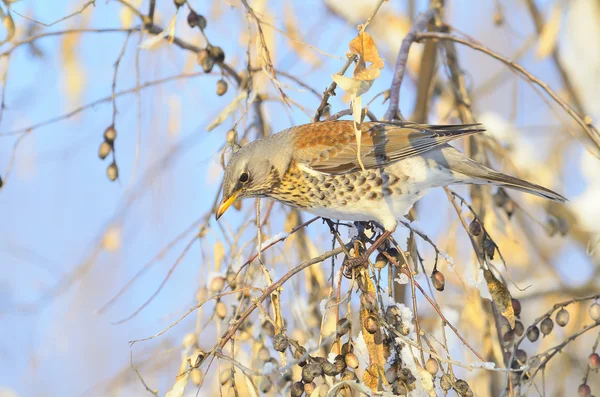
(479, 174)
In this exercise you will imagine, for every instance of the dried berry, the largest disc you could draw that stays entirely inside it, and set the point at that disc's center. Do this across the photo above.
(594, 361)
(438, 280)
(179, 3)
(110, 134)
(221, 87)
(594, 311)
(546, 326)
(405, 375)
(462, 388)
(516, 304)
(309, 388)
(533, 333)
(205, 61)
(217, 54)
(521, 356)
(280, 342)
(370, 324)
(381, 261)
(489, 248)
(584, 390)
(311, 371)
(562, 317)
(196, 376)
(446, 382)
(297, 389)
(351, 360)
(348, 375)
(393, 252)
(329, 369)
(340, 363)
(347, 348)
(475, 228)
(221, 310)
(519, 328)
(112, 172)
(194, 20)
(217, 284)
(104, 150)
(343, 326)
(432, 366)
(299, 352)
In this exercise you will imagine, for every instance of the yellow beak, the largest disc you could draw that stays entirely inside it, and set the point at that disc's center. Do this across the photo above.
(226, 203)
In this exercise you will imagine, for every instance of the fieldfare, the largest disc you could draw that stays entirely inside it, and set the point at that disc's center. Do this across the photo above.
(314, 167)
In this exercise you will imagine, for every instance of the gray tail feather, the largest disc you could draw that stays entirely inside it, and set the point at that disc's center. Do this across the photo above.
(484, 175)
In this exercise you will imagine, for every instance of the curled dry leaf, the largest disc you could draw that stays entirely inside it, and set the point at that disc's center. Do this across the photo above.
(549, 34)
(362, 80)
(426, 381)
(500, 296)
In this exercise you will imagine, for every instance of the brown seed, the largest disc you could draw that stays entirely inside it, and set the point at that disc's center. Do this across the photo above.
(370, 324)
(297, 389)
(533, 333)
(104, 150)
(217, 284)
(311, 371)
(329, 369)
(432, 366)
(489, 247)
(393, 252)
(584, 390)
(343, 326)
(221, 310)
(462, 388)
(475, 228)
(381, 261)
(348, 375)
(112, 172)
(280, 342)
(516, 304)
(340, 363)
(562, 317)
(179, 3)
(351, 360)
(309, 388)
(110, 134)
(521, 356)
(347, 348)
(546, 326)
(594, 361)
(406, 375)
(205, 61)
(299, 352)
(217, 54)
(221, 87)
(594, 311)
(438, 280)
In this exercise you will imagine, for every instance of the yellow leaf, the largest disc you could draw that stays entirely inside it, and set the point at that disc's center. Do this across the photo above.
(352, 86)
(364, 46)
(549, 33)
(500, 296)
(179, 386)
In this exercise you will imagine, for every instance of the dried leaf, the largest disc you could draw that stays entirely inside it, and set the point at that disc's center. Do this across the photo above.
(426, 381)
(500, 296)
(357, 114)
(153, 40)
(352, 86)
(179, 386)
(549, 34)
(364, 46)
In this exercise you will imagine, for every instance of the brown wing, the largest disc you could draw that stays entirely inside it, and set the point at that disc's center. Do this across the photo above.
(330, 147)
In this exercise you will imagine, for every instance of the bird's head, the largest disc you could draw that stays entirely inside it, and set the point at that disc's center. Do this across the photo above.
(253, 171)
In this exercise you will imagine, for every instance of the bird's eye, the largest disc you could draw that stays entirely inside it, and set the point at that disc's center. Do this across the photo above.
(244, 177)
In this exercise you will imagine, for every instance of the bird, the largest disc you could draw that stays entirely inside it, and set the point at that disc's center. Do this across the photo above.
(315, 167)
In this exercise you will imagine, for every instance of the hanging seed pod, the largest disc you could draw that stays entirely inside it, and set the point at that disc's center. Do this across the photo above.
(446, 382)
(297, 389)
(205, 61)
(280, 342)
(381, 261)
(197, 376)
(516, 304)
(112, 172)
(311, 371)
(221, 310)
(309, 388)
(462, 388)
(347, 348)
(104, 150)
(438, 280)
(299, 352)
(178, 3)
(221, 87)
(489, 248)
(217, 284)
(475, 228)
(594, 311)
(584, 390)
(351, 360)
(393, 252)
(521, 356)
(391, 374)
(192, 19)
(546, 326)
(329, 369)
(562, 317)
(217, 54)
(349, 375)
(594, 361)
(533, 333)
(343, 326)
(370, 324)
(519, 328)
(432, 366)
(110, 134)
